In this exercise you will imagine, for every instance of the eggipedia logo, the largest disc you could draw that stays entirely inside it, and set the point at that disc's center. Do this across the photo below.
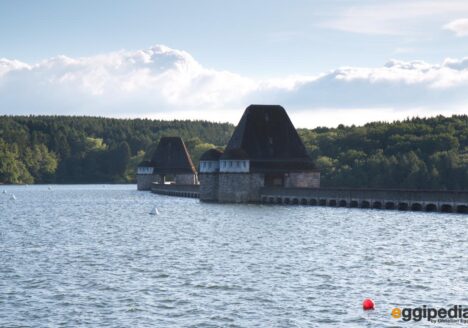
(455, 314)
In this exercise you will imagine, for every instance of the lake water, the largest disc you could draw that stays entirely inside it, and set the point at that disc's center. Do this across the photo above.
(92, 256)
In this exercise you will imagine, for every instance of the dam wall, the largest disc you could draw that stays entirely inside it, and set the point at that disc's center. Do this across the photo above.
(384, 199)
(390, 199)
(188, 190)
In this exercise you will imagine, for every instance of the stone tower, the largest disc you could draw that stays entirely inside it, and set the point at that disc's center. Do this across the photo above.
(209, 175)
(264, 151)
(170, 163)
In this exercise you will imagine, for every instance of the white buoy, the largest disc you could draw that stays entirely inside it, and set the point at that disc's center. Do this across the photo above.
(50, 188)
(4, 191)
(13, 197)
(154, 211)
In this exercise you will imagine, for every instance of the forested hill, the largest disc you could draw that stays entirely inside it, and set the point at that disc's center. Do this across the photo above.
(418, 153)
(65, 149)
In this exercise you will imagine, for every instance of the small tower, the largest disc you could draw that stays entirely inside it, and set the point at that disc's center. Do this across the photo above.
(171, 163)
(264, 151)
(145, 176)
(209, 175)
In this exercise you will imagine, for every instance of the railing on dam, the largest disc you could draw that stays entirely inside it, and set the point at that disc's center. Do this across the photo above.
(191, 191)
(413, 200)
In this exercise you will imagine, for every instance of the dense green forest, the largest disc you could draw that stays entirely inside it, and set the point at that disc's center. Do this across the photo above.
(64, 149)
(429, 153)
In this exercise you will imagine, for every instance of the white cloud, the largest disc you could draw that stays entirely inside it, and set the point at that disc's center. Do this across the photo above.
(398, 17)
(161, 82)
(458, 26)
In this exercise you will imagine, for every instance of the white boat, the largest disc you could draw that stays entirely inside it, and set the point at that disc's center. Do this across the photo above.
(154, 211)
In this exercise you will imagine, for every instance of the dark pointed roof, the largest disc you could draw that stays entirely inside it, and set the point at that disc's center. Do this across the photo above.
(171, 157)
(211, 155)
(265, 133)
(235, 153)
(145, 163)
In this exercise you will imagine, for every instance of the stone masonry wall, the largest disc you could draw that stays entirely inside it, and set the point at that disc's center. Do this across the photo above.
(302, 180)
(144, 181)
(257, 181)
(239, 187)
(186, 179)
(209, 187)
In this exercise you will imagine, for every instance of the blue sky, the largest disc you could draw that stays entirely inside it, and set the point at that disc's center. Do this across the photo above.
(277, 48)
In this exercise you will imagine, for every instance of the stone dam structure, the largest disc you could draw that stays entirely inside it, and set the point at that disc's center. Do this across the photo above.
(266, 162)
(170, 163)
(382, 199)
(264, 150)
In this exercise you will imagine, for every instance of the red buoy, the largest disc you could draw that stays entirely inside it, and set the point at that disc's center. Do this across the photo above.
(368, 304)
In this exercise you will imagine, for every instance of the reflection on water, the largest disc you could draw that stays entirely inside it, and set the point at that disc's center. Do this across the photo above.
(93, 256)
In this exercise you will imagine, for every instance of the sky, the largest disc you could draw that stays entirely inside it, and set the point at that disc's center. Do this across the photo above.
(327, 62)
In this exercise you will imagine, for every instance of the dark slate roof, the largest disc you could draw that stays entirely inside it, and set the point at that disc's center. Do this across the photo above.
(171, 157)
(235, 153)
(211, 155)
(265, 133)
(146, 164)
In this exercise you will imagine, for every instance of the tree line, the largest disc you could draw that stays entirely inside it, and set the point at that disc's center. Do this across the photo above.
(67, 149)
(417, 153)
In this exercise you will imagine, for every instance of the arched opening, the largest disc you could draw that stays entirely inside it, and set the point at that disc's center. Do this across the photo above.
(313, 202)
(446, 208)
(332, 202)
(323, 202)
(377, 205)
(462, 209)
(431, 208)
(279, 200)
(353, 203)
(295, 201)
(416, 207)
(264, 199)
(342, 203)
(402, 206)
(303, 201)
(389, 205)
(272, 200)
(365, 204)
(286, 200)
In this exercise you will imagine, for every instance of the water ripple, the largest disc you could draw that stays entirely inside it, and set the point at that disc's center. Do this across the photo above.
(92, 256)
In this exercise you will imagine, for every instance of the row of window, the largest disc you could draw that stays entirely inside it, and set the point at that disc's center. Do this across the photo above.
(208, 165)
(224, 165)
(143, 170)
(239, 164)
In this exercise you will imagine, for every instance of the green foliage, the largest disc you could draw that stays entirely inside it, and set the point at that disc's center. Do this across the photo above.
(420, 153)
(66, 149)
(12, 169)
(415, 153)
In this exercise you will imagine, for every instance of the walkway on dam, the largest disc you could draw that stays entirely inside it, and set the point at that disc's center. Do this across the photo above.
(384, 199)
(389, 199)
